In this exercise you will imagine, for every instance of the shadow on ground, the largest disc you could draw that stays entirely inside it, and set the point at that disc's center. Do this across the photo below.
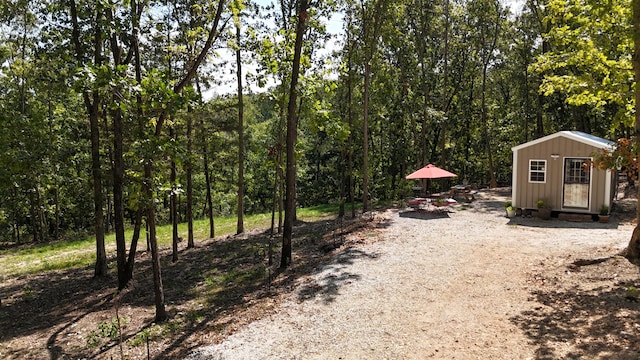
(535, 222)
(425, 214)
(577, 324)
(210, 291)
(328, 281)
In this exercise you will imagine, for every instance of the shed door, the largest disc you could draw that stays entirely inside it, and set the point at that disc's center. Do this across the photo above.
(577, 181)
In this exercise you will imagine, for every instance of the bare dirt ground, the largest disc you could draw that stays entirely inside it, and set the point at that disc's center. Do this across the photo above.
(467, 283)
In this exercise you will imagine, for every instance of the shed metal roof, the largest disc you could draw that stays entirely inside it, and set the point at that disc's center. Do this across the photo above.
(573, 135)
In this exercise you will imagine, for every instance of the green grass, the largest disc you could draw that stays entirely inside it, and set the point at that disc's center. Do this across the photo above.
(80, 253)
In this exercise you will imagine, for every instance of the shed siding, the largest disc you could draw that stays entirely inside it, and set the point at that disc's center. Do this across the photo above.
(526, 194)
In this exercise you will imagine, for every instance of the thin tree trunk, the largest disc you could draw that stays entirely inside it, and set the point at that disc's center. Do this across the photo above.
(633, 249)
(56, 198)
(527, 104)
(445, 85)
(91, 103)
(352, 199)
(158, 290)
(100, 269)
(33, 216)
(485, 129)
(371, 43)
(189, 173)
(173, 203)
(486, 59)
(108, 216)
(541, 98)
(292, 129)
(16, 219)
(42, 219)
(118, 201)
(240, 225)
(207, 177)
(205, 167)
(365, 136)
(350, 122)
(134, 245)
(118, 164)
(280, 158)
(130, 261)
(275, 198)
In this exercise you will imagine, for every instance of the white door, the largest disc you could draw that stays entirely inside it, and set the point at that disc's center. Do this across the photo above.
(577, 182)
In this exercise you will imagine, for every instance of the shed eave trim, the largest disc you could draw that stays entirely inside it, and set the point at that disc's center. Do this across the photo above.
(573, 135)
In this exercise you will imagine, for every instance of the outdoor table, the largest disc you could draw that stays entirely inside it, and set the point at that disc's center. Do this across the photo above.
(464, 190)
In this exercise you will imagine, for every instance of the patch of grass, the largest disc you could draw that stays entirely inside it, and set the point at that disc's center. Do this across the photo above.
(80, 253)
(152, 333)
(216, 284)
(140, 338)
(194, 316)
(27, 292)
(47, 248)
(106, 330)
(317, 212)
(234, 277)
(171, 327)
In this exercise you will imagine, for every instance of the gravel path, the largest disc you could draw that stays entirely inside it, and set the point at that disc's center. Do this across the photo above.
(433, 286)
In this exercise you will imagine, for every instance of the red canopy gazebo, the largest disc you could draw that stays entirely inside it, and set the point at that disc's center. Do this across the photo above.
(430, 172)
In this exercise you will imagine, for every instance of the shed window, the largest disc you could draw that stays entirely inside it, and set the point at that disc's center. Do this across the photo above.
(537, 171)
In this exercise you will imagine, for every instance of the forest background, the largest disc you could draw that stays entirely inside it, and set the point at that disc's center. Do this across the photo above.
(104, 126)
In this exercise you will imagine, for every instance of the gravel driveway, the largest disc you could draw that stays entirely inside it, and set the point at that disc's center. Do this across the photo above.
(433, 285)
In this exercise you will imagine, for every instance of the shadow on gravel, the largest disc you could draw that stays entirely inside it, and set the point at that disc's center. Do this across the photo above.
(489, 205)
(555, 223)
(425, 214)
(599, 324)
(326, 284)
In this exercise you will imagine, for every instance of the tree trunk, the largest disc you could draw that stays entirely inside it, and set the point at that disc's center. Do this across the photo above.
(445, 85)
(370, 44)
(527, 104)
(42, 219)
(158, 290)
(173, 203)
(118, 202)
(292, 129)
(100, 269)
(16, 220)
(134, 245)
(92, 106)
(56, 197)
(207, 178)
(118, 164)
(108, 221)
(487, 53)
(365, 136)
(240, 225)
(485, 129)
(633, 249)
(275, 198)
(189, 173)
(350, 182)
(205, 167)
(279, 160)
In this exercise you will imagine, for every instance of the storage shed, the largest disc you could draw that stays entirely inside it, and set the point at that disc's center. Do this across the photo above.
(556, 169)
